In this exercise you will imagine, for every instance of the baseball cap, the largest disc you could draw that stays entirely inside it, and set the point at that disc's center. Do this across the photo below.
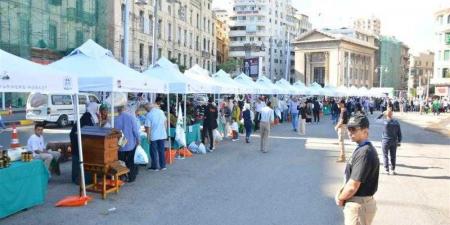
(359, 120)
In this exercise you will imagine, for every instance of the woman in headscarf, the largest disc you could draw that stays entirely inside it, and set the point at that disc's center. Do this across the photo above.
(89, 118)
(247, 115)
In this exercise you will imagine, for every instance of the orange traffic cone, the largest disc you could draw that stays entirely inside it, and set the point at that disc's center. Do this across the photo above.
(10, 112)
(14, 137)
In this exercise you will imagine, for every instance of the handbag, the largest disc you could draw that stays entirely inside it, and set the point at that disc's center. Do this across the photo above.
(122, 140)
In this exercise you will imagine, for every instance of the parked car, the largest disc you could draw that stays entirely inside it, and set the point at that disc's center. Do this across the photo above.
(55, 108)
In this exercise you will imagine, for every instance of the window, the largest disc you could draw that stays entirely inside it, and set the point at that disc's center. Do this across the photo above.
(141, 54)
(184, 60)
(190, 61)
(169, 9)
(159, 30)
(198, 21)
(52, 42)
(159, 52)
(446, 55)
(447, 38)
(141, 21)
(169, 31)
(79, 38)
(179, 58)
(61, 100)
(185, 38)
(150, 53)
(79, 9)
(82, 100)
(445, 73)
(169, 55)
(448, 19)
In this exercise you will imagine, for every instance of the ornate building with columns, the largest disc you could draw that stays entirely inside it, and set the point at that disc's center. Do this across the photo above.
(334, 59)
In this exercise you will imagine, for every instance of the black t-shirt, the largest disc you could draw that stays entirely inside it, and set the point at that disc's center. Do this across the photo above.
(364, 167)
(344, 116)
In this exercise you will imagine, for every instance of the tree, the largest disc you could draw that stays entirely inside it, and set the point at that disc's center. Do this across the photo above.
(230, 65)
(180, 67)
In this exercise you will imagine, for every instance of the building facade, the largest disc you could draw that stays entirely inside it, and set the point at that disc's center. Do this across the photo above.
(441, 75)
(263, 30)
(185, 32)
(334, 59)
(394, 63)
(422, 67)
(222, 39)
(44, 31)
(369, 24)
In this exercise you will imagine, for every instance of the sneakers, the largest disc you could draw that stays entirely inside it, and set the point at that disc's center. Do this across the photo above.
(387, 172)
(153, 169)
(393, 172)
(164, 168)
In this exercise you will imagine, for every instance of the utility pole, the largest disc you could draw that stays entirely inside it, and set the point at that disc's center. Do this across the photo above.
(288, 54)
(348, 68)
(126, 33)
(155, 29)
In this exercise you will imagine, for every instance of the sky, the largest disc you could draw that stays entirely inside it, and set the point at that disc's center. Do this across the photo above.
(410, 21)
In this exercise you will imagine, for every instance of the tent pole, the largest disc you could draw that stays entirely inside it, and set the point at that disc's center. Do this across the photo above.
(184, 118)
(80, 147)
(168, 125)
(112, 109)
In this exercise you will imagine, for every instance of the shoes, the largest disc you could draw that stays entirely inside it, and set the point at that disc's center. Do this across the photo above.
(393, 172)
(387, 172)
(233, 139)
(153, 169)
(164, 168)
(211, 150)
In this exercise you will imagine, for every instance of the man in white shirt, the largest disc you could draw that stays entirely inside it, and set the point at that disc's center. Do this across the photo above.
(156, 129)
(36, 145)
(266, 118)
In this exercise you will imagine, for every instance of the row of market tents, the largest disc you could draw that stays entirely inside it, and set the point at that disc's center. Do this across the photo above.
(96, 69)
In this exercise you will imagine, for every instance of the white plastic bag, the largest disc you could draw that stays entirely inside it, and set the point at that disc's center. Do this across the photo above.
(193, 147)
(202, 148)
(140, 157)
(217, 136)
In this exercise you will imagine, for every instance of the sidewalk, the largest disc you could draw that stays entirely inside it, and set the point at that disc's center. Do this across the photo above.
(438, 124)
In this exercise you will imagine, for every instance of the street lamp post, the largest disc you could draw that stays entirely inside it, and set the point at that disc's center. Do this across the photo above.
(380, 69)
(126, 29)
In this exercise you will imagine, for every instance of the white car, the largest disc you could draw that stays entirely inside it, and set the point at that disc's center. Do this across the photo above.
(55, 108)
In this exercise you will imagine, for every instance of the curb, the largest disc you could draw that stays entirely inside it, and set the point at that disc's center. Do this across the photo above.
(6, 112)
(19, 122)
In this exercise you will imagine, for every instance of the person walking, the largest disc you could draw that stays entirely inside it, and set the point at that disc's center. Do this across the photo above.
(247, 115)
(156, 129)
(266, 118)
(210, 122)
(436, 107)
(390, 140)
(341, 129)
(293, 110)
(258, 107)
(303, 119)
(361, 176)
(316, 110)
(126, 123)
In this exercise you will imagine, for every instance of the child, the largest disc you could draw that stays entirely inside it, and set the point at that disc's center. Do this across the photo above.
(235, 130)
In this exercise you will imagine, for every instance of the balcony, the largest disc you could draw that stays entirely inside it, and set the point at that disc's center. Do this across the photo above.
(206, 54)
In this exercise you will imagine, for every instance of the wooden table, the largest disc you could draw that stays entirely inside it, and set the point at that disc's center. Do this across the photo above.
(103, 172)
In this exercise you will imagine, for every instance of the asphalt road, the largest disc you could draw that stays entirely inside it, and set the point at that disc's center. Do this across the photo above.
(292, 184)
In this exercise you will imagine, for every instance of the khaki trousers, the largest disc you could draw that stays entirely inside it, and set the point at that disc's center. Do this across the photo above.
(342, 132)
(302, 127)
(265, 130)
(48, 156)
(360, 210)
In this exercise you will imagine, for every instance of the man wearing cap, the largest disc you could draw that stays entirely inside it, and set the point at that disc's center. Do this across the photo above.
(361, 176)
(341, 129)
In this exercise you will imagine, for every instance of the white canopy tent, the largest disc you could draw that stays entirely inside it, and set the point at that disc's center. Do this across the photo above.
(342, 91)
(270, 87)
(330, 91)
(301, 88)
(225, 79)
(207, 84)
(98, 70)
(316, 89)
(16, 71)
(247, 81)
(285, 85)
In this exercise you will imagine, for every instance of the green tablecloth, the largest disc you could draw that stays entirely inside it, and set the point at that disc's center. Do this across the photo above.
(192, 134)
(22, 185)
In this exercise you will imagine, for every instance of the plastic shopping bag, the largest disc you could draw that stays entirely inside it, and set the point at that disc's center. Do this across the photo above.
(193, 147)
(140, 157)
(217, 136)
(202, 149)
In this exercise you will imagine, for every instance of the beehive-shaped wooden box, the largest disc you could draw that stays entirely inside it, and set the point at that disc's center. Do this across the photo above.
(100, 145)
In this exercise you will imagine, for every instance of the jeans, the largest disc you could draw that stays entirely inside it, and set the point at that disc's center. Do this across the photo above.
(157, 151)
(294, 120)
(389, 147)
(128, 158)
(248, 130)
(2, 124)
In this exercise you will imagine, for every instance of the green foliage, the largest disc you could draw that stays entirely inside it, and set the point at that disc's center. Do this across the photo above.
(182, 68)
(230, 65)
